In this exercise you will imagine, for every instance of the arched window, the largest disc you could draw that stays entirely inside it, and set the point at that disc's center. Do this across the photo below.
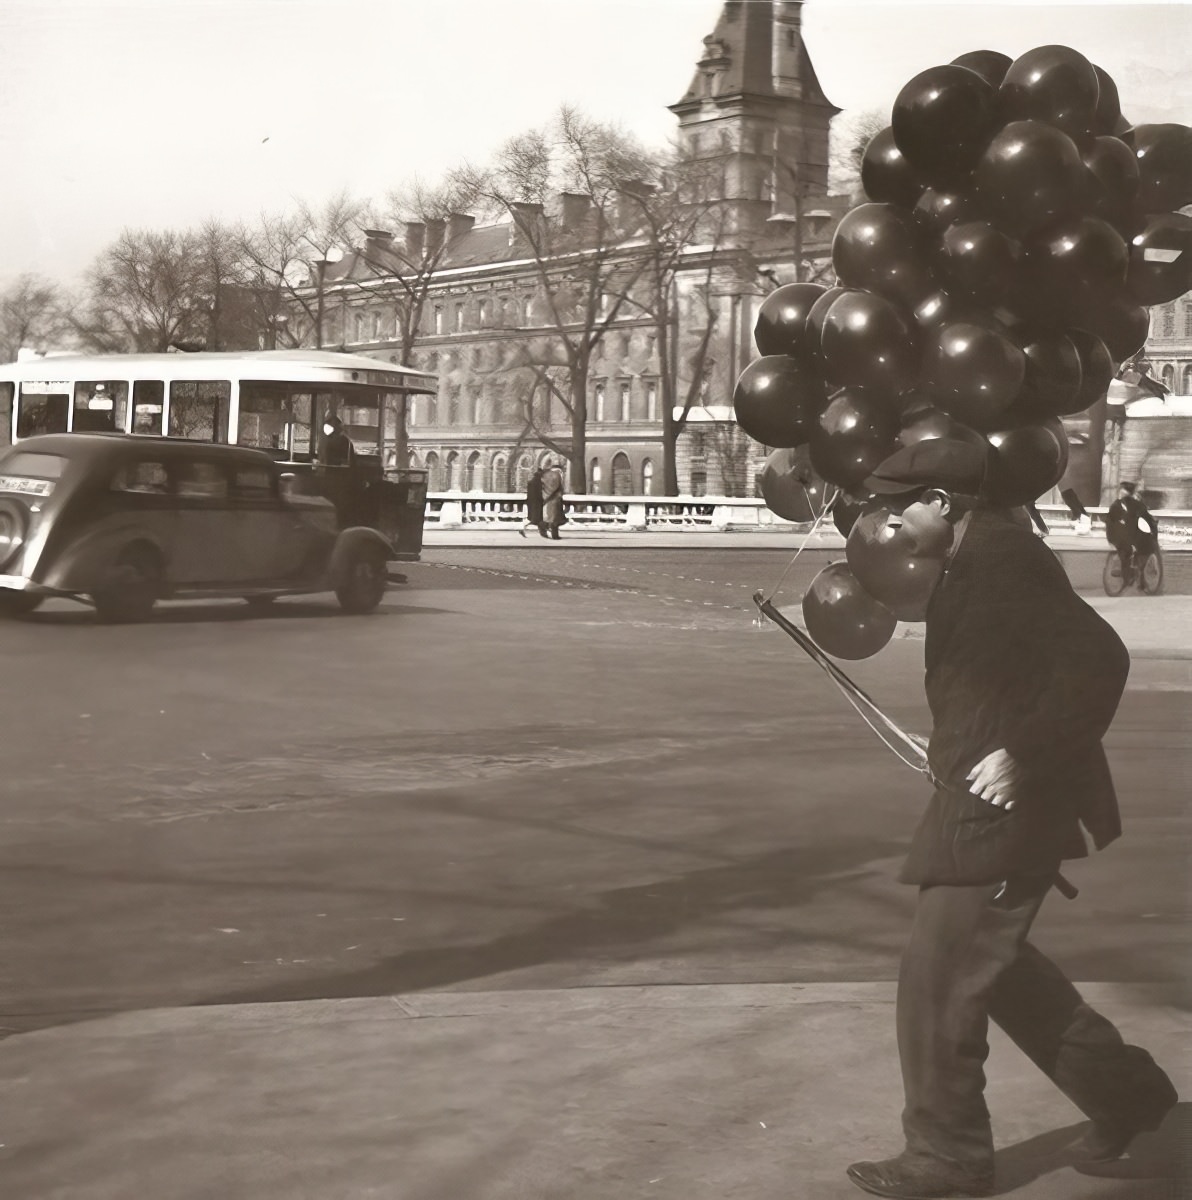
(434, 474)
(599, 415)
(474, 473)
(622, 475)
(499, 473)
(1186, 390)
(451, 473)
(648, 477)
(525, 468)
(594, 477)
(1169, 377)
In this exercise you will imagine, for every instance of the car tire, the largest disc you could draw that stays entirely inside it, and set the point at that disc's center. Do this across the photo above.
(364, 581)
(17, 604)
(132, 586)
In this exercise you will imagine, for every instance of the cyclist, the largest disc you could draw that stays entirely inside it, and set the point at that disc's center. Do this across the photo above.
(1131, 530)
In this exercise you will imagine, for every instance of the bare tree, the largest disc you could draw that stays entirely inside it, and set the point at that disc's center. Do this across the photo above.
(584, 271)
(287, 260)
(31, 315)
(145, 293)
(850, 134)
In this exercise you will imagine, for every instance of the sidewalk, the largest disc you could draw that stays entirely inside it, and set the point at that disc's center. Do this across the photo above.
(736, 1092)
(483, 536)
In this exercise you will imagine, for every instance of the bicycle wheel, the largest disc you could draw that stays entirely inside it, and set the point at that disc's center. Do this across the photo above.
(1111, 576)
(1150, 578)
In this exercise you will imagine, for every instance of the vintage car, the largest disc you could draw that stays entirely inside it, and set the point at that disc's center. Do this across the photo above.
(122, 521)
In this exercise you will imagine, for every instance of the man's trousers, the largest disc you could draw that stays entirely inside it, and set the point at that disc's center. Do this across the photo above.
(968, 959)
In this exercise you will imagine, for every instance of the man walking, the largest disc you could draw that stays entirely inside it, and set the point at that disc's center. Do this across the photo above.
(1023, 679)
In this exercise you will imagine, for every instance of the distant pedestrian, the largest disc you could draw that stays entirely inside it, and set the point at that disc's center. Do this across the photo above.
(1131, 530)
(552, 499)
(534, 505)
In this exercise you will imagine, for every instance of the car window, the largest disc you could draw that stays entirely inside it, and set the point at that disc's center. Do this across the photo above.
(253, 483)
(195, 478)
(144, 475)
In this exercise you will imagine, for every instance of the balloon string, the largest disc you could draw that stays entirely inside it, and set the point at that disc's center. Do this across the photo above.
(819, 520)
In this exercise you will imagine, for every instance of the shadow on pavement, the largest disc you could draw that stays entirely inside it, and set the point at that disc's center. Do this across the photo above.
(613, 925)
(228, 612)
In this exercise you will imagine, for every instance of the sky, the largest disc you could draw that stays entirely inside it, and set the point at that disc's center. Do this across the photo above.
(156, 114)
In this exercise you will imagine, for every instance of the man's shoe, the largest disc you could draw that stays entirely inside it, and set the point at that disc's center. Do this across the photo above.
(907, 1178)
(1107, 1141)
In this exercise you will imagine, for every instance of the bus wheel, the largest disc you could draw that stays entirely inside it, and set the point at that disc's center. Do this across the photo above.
(364, 582)
(17, 604)
(131, 587)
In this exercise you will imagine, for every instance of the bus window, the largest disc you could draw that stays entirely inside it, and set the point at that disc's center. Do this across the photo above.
(6, 393)
(274, 416)
(199, 409)
(148, 396)
(100, 407)
(42, 408)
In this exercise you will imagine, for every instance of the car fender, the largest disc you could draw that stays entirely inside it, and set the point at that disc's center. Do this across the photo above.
(348, 543)
(80, 565)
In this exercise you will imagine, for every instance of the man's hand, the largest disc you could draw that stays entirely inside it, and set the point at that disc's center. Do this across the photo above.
(995, 778)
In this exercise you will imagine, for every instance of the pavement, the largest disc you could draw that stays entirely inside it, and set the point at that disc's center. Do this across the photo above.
(684, 1092)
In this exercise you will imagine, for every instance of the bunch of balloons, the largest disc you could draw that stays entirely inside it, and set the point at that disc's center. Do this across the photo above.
(1017, 229)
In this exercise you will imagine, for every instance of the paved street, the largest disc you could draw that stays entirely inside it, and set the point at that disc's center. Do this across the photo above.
(539, 769)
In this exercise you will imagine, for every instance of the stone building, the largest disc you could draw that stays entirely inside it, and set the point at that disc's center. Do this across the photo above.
(756, 118)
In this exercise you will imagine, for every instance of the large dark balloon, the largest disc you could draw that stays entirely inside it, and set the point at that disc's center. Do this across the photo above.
(1030, 175)
(937, 209)
(818, 314)
(1114, 171)
(979, 263)
(790, 487)
(1077, 263)
(886, 176)
(777, 400)
(1121, 324)
(922, 423)
(857, 431)
(1108, 112)
(1052, 384)
(1096, 367)
(1029, 462)
(1054, 84)
(973, 371)
(991, 65)
(1164, 166)
(877, 247)
(781, 326)
(943, 119)
(899, 558)
(842, 618)
(845, 511)
(866, 342)
(1161, 260)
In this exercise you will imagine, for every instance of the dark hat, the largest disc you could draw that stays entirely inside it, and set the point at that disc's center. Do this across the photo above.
(947, 463)
(1127, 487)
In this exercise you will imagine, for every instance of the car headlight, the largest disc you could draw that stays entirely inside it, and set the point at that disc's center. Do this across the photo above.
(13, 522)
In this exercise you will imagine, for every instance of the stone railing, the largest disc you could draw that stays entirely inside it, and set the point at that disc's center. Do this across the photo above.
(494, 510)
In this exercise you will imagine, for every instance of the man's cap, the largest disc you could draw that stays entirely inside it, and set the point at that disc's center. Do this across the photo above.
(1127, 487)
(947, 463)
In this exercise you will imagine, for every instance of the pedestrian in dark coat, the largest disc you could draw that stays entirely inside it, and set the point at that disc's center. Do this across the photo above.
(1023, 679)
(534, 504)
(1131, 529)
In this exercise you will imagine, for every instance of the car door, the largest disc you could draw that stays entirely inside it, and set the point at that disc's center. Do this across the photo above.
(264, 535)
(204, 550)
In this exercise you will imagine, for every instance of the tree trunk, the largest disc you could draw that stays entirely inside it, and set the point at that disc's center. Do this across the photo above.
(579, 432)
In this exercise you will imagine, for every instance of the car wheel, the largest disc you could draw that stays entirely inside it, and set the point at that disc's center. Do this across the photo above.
(17, 604)
(132, 586)
(364, 582)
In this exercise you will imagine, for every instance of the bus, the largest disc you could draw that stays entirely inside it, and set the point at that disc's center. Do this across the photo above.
(278, 401)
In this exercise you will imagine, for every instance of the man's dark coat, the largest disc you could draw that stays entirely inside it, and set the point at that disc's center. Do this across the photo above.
(1015, 660)
(534, 499)
(1122, 523)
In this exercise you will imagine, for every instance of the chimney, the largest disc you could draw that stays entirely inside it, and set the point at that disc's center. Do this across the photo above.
(574, 207)
(458, 224)
(434, 235)
(527, 221)
(630, 194)
(415, 240)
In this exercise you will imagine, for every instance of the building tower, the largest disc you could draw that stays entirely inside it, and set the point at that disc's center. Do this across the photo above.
(756, 108)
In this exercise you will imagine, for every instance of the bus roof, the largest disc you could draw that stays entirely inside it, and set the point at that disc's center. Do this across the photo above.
(288, 366)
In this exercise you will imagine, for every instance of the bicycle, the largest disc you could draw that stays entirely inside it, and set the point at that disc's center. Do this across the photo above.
(1145, 569)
